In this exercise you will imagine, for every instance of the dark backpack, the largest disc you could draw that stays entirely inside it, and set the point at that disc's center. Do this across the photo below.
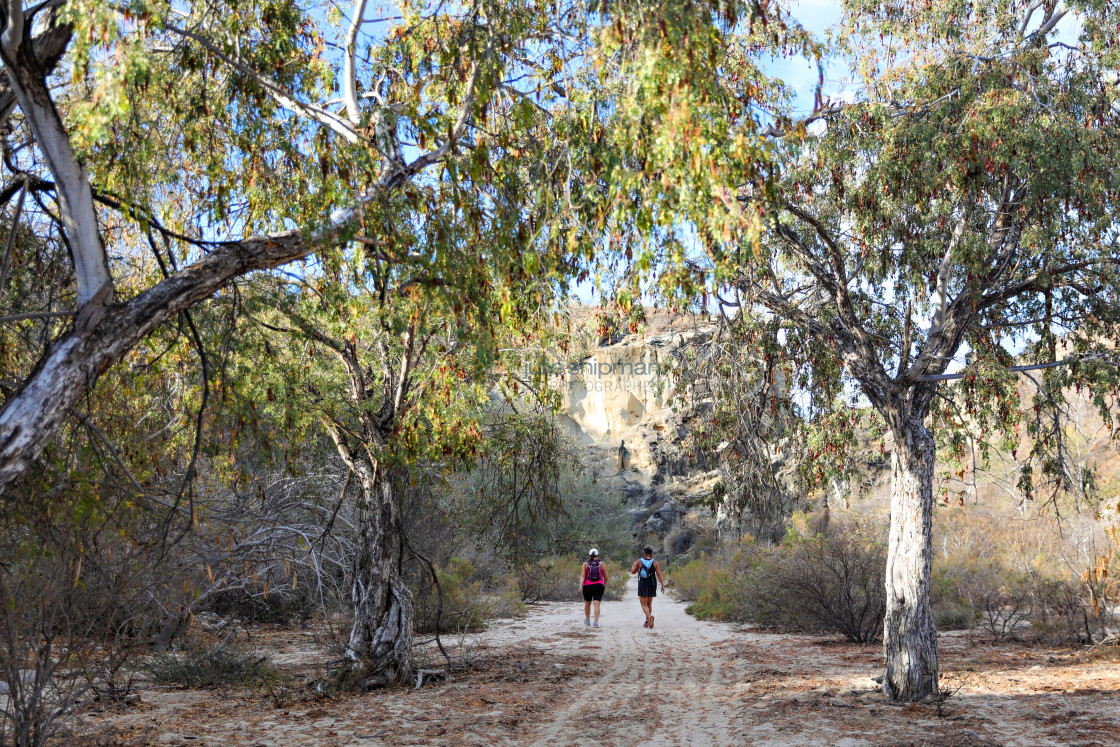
(646, 570)
(594, 571)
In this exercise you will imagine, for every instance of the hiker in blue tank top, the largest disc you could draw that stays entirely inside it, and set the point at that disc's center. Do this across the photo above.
(649, 573)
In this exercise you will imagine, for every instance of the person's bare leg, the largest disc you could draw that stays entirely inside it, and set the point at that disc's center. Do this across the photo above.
(587, 610)
(645, 607)
(597, 610)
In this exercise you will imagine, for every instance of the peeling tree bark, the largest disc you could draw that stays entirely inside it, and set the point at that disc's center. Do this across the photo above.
(909, 636)
(381, 633)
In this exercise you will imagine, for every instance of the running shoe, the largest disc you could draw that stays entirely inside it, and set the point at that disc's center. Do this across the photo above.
(595, 624)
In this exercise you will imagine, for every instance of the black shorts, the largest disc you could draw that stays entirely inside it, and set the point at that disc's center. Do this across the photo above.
(593, 592)
(647, 587)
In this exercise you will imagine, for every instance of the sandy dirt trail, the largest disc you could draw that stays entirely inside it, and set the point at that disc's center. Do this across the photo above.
(545, 679)
(691, 682)
(664, 686)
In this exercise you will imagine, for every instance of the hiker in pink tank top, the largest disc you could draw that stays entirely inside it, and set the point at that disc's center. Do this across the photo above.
(593, 582)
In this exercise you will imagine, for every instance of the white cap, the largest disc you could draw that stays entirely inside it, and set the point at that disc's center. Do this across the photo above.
(592, 551)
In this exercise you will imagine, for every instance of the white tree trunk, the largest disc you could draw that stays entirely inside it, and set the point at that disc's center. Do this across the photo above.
(909, 637)
(49, 45)
(381, 634)
(75, 199)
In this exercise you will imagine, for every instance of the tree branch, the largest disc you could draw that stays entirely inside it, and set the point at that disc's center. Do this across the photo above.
(941, 293)
(6, 261)
(848, 333)
(275, 90)
(1031, 367)
(36, 315)
(1041, 280)
(457, 129)
(942, 343)
(73, 363)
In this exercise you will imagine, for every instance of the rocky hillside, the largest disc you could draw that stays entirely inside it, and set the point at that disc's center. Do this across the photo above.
(621, 400)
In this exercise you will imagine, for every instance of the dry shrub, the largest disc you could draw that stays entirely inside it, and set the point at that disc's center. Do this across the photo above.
(1022, 576)
(75, 602)
(1063, 614)
(1003, 600)
(557, 580)
(811, 583)
(470, 598)
(1011, 605)
(504, 599)
(216, 666)
(824, 583)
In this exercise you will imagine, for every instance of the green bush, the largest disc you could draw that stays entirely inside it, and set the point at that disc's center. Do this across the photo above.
(506, 600)
(214, 667)
(713, 586)
(465, 607)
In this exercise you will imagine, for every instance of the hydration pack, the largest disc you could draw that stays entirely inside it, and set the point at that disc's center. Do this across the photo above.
(646, 571)
(594, 571)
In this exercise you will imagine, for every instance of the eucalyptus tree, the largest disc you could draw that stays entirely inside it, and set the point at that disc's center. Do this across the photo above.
(963, 204)
(388, 341)
(390, 346)
(231, 138)
(957, 206)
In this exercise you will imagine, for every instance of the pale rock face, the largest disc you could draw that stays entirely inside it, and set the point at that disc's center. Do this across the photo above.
(619, 400)
(620, 386)
(624, 405)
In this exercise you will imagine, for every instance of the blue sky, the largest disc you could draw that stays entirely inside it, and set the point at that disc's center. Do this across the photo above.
(817, 16)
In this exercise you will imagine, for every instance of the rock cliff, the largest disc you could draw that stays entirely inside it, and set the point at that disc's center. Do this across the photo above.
(623, 403)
